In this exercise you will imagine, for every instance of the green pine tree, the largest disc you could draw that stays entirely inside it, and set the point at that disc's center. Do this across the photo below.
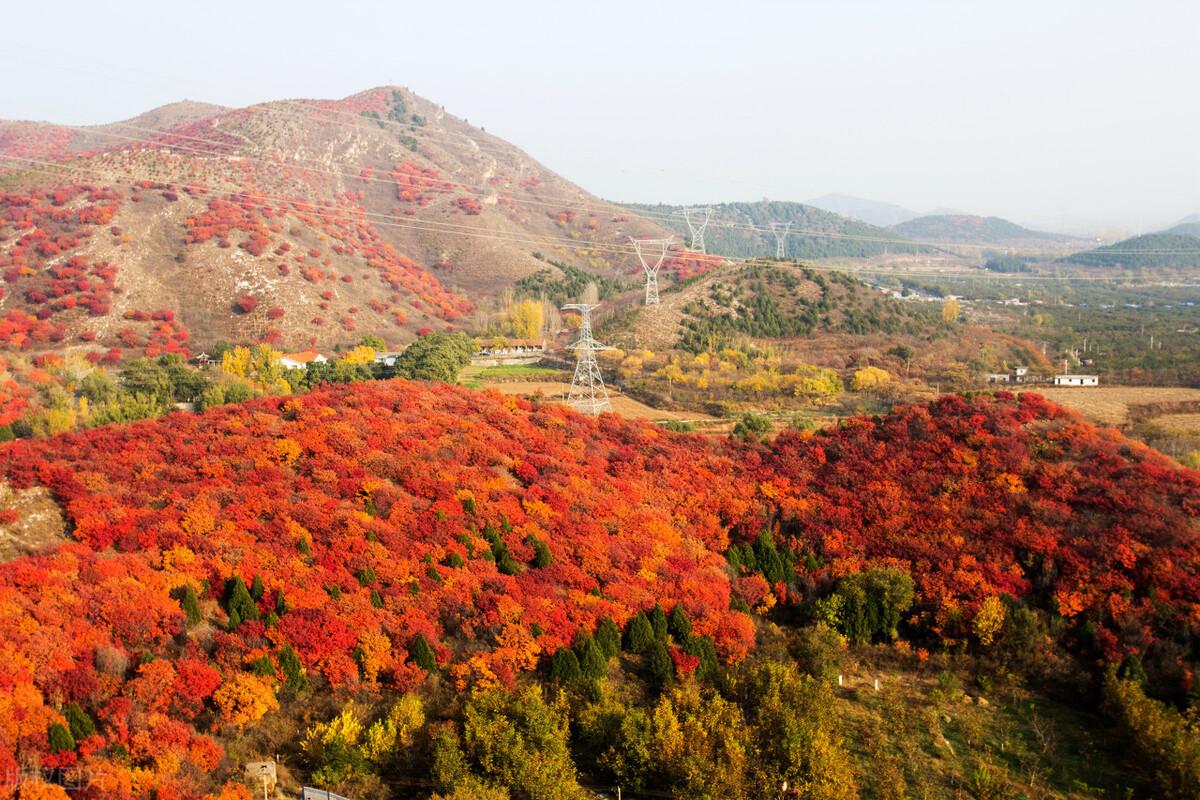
(80, 723)
(658, 621)
(191, 606)
(593, 664)
(542, 557)
(608, 637)
(292, 669)
(262, 666)
(61, 740)
(239, 603)
(659, 667)
(422, 654)
(639, 635)
(564, 666)
(679, 624)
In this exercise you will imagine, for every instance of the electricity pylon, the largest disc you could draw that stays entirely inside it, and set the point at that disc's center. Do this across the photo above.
(780, 238)
(587, 394)
(696, 228)
(651, 271)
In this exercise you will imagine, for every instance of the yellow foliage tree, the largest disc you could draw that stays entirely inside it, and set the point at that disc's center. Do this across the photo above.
(244, 699)
(869, 378)
(989, 620)
(950, 310)
(376, 651)
(526, 319)
(346, 727)
(287, 451)
(396, 730)
(236, 362)
(359, 355)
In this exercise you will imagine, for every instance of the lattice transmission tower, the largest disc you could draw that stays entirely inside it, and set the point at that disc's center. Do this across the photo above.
(651, 271)
(696, 227)
(780, 229)
(587, 394)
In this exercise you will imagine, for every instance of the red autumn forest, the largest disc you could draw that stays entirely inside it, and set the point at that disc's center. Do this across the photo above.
(365, 517)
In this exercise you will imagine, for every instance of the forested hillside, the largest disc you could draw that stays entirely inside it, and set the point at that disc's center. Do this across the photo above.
(412, 572)
(971, 229)
(1153, 250)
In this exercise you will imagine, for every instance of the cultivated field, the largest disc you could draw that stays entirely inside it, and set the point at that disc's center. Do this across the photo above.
(1179, 423)
(1111, 405)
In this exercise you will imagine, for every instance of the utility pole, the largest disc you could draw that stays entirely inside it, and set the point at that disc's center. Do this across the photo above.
(696, 228)
(587, 394)
(780, 229)
(651, 271)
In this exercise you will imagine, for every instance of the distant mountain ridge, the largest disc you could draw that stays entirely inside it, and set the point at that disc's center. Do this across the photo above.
(1185, 228)
(1170, 249)
(972, 229)
(873, 212)
(743, 230)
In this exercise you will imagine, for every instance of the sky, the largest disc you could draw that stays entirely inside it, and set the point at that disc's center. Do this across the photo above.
(1060, 114)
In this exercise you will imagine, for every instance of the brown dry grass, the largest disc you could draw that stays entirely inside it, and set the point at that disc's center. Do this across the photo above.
(1110, 405)
(621, 404)
(1179, 423)
(39, 521)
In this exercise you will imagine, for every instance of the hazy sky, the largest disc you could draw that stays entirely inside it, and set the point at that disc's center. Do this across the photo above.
(1047, 112)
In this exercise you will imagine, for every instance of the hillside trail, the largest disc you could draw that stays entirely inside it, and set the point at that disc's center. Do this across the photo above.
(658, 328)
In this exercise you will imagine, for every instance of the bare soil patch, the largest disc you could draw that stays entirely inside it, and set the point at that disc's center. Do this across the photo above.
(39, 521)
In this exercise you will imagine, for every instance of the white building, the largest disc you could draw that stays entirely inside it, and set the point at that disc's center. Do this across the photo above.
(388, 357)
(1076, 380)
(302, 359)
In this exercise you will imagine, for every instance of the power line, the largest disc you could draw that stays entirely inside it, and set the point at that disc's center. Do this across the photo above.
(651, 271)
(587, 394)
(338, 212)
(696, 229)
(570, 203)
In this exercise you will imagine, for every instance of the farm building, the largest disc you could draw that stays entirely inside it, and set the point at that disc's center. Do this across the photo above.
(1076, 380)
(301, 360)
(1016, 375)
(503, 352)
(387, 357)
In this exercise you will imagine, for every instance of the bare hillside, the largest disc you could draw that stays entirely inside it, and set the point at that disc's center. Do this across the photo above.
(302, 222)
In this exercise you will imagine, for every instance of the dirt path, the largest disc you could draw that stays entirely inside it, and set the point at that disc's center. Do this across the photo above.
(623, 405)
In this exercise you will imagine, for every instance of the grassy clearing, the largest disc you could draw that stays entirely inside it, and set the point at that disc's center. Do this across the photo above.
(483, 374)
(922, 736)
(478, 377)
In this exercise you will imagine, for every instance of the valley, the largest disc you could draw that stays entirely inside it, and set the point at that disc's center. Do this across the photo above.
(295, 496)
